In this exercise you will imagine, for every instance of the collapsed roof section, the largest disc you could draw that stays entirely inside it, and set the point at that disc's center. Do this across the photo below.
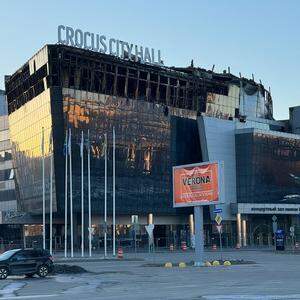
(206, 92)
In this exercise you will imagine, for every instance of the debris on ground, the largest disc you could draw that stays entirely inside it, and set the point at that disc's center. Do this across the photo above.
(68, 269)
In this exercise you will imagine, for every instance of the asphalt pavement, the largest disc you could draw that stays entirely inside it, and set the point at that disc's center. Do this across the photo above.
(142, 276)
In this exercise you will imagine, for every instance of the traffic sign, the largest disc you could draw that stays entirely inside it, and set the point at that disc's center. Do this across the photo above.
(134, 219)
(219, 228)
(274, 227)
(149, 229)
(218, 219)
(217, 210)
(274, 218)
(91, 229)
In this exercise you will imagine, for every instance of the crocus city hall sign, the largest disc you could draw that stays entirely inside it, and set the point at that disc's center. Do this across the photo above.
(100, 43)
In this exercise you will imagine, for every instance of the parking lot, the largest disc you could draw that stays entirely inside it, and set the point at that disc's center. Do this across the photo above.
(141, 276)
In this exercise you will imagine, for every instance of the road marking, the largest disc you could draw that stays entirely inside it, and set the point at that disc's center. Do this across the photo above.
(10, 289)
(252, 297)
(30, 297)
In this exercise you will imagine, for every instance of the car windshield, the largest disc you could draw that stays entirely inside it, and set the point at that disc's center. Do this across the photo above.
(8, 254)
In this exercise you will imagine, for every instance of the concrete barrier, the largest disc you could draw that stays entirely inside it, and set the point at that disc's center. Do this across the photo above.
(227, 263)
(215, 263)
(207, 264)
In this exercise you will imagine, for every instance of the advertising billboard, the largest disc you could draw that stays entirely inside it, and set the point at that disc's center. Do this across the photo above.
(196, 184)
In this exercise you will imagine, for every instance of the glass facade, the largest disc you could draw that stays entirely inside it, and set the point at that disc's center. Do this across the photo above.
(7, 187)
(149, 141)
(268, 168)
(26, 125)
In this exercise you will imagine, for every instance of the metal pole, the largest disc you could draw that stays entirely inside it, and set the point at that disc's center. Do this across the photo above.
(239, 230)
(221, 245)
(105, 197)
(134, 239)
(114, 192)
(89, 195)
(44, 204)
(199, 236)
(66, 194)
(51, 200)
(244, 233)
(82, 198)
(71, 194)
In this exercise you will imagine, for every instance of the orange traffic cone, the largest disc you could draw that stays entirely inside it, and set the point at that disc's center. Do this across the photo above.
(183, 246)
(120, 253)
(214, 247)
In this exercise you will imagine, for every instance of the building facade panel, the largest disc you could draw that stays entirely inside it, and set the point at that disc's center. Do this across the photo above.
(147, 142)
(8, 200)
(27, 142)
(268, 167)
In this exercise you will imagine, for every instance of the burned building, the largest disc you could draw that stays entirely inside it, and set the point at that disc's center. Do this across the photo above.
(163, 116)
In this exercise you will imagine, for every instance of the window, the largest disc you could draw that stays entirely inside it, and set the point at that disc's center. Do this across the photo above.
(19, 256)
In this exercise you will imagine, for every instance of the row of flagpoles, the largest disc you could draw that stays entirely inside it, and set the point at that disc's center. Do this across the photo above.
(69, 188)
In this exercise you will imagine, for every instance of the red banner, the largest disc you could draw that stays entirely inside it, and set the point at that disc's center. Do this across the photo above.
(195, 185)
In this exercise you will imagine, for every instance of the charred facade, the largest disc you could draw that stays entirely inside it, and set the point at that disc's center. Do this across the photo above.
(155, 111)
(148, 105)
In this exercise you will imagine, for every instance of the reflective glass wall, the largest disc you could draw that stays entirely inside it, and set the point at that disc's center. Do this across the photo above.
(26, 125)
(149, 141)
(7, 187)
(268, 168)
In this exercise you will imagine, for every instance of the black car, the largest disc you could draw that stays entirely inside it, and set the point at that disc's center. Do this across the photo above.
(25, 262)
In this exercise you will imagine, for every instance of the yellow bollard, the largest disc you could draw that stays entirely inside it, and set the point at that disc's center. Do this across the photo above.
(168, 265)
(215, 263)
(182, 265)
(207, 264)
(227, 263)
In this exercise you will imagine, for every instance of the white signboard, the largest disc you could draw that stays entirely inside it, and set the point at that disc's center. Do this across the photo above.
(134, 219)
(219, 228)
(259, 208)
(100, 43)
(149, 229)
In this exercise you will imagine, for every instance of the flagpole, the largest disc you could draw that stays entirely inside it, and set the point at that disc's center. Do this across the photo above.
(66, 194)
(44, 208)
(71, 192)
(105, 197)
(114, 192)
(89, 195)
(51, 191)
(82, 198)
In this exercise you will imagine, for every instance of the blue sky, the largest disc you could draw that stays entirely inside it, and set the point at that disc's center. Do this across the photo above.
(259, 37)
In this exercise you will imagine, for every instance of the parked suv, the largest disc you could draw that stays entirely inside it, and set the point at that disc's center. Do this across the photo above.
(25, 262)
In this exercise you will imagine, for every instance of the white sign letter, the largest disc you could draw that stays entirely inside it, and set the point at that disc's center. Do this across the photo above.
(59, 30)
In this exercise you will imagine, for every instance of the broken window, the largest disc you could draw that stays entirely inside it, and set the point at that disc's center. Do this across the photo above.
(131, 87)
(121, 80)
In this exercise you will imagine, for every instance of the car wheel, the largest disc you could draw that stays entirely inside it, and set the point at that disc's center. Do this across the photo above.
(30, 275)
(3, 273)
(43, 271)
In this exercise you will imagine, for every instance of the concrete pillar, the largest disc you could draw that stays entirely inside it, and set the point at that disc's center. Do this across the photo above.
(239, 230)
(244, 232)
(150, 218)
(199, 237)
